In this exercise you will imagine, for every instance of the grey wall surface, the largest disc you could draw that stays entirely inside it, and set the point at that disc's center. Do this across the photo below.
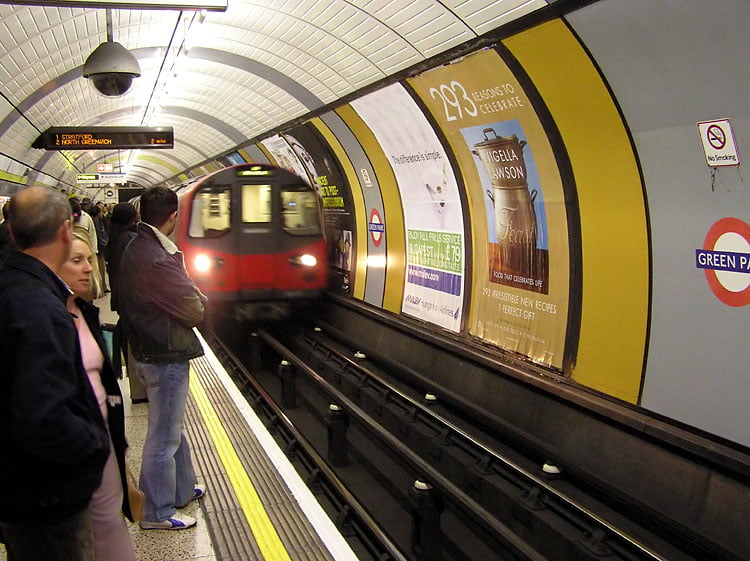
(672, 64)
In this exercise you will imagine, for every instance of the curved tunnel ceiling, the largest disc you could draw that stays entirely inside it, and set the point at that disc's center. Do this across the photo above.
(219, 78)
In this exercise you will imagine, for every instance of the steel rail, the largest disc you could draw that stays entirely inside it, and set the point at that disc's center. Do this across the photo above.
(481, 516)
(567, 501)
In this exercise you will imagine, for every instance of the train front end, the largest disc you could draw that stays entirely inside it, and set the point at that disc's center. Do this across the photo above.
(252, 241)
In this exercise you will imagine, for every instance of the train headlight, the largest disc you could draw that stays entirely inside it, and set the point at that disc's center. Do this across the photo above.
(202, 263)
(305, 260)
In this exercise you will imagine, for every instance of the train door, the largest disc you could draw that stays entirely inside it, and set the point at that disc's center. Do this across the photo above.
(256, 242)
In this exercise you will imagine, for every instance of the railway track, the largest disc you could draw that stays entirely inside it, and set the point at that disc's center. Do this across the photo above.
(411, 476)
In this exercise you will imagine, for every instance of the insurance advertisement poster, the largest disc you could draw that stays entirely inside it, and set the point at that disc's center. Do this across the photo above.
(521, 255)
(336, 199)
(433, 219)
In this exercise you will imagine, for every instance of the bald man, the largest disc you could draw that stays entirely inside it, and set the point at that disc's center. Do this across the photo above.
(53, 438)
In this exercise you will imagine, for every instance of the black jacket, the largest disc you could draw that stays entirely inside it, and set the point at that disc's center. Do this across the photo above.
(53, 439)
(115, 408)
(158, 302)
(6, 243)
(115, 249)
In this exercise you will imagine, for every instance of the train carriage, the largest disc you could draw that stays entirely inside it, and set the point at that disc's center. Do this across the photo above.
(252, 240)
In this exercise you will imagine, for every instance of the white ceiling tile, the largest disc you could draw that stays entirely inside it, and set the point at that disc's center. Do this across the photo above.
(330, 48)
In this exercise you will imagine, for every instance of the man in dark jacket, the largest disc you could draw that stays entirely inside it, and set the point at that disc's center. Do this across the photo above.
(160, 306)
(53, 438)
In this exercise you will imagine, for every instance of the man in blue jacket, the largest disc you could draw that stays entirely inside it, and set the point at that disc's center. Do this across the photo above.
(160, 305)
(53, 438)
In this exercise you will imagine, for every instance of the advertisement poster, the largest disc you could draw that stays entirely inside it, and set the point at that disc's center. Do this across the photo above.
(433, 218)
(514, 199)
(336, 199)
(521, 255)
(285, 157)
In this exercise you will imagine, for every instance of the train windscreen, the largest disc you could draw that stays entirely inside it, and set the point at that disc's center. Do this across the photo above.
(210, 215)
(212, 209)
(299, 210)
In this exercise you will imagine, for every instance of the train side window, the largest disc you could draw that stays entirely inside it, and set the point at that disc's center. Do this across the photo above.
(299, 210)
(256, 203)
(211, 215)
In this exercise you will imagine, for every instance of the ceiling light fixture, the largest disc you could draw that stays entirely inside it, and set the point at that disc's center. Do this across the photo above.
(177, 48)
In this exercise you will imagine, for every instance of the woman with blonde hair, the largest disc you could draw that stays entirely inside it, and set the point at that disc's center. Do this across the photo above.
(84, 224)
(112, 541)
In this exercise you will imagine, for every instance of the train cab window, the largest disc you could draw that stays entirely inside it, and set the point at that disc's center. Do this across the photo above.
(299, 210)
(211, 215)
(256, 203)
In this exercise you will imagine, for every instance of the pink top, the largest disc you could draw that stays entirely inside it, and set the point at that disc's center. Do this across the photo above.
(93, 359)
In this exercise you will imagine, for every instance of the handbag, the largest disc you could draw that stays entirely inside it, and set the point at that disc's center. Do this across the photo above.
(136, 498)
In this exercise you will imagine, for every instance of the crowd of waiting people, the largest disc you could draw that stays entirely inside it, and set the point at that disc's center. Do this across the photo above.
(63, 470)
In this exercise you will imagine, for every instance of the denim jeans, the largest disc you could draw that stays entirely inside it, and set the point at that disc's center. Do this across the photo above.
(167, 476)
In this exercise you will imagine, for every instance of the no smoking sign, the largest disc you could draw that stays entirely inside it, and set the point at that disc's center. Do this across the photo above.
(718, 143)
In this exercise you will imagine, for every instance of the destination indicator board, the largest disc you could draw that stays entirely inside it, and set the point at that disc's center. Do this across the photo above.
(101, 178)
(105, 138)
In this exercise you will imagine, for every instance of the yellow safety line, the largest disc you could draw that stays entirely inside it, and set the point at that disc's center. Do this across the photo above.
(260, 524)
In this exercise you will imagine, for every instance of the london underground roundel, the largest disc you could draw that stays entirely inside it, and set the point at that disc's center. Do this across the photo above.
(725, 260)
(376, 227)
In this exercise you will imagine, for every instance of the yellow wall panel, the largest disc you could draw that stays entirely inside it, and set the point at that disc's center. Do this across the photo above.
(245, 155)
(161, 162)
(614, 230)
(12, 177)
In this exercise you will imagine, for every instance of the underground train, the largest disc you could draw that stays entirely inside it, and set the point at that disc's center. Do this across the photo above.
(252, 239)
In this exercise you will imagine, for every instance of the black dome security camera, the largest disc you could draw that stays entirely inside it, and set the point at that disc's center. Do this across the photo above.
(111, 69)
(112, 85)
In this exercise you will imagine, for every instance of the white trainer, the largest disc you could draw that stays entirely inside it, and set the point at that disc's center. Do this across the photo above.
(177, 521)
(199, 491)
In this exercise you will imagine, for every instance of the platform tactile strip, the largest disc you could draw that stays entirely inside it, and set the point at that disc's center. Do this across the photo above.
(233, 538)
